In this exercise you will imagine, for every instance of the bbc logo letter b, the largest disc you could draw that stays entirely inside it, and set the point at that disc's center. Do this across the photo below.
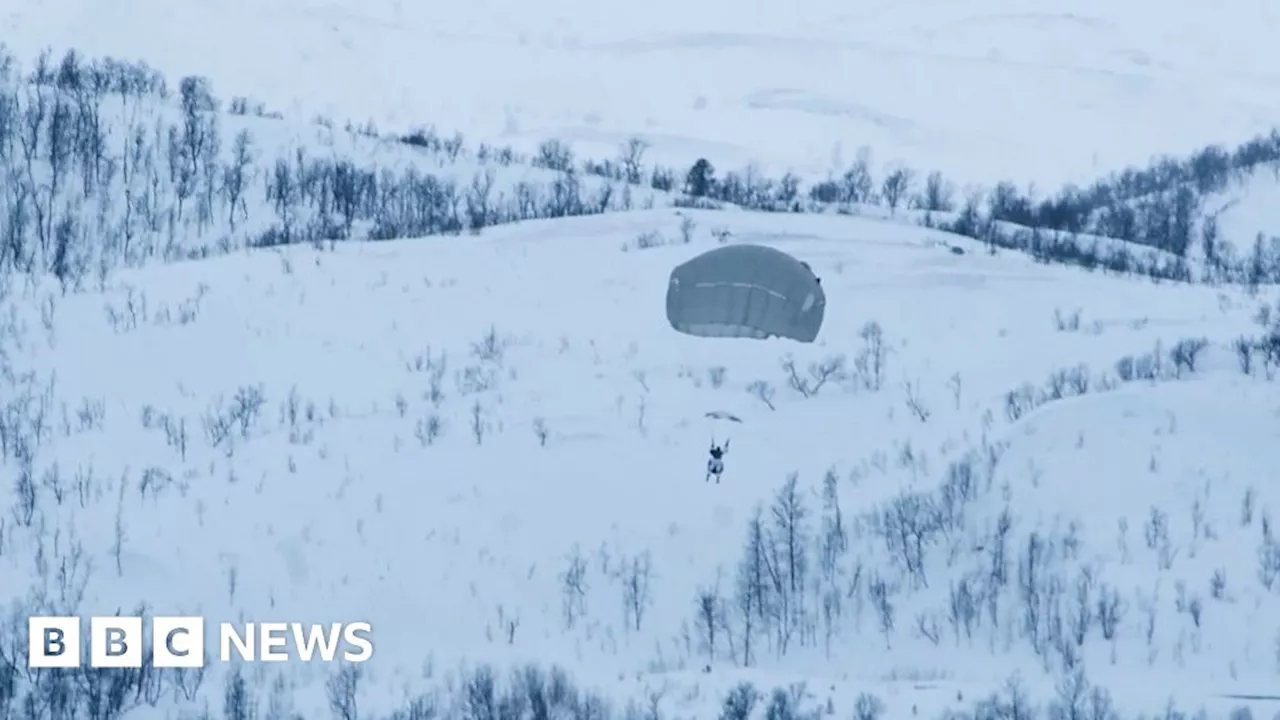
(115, 642)
(53, 642)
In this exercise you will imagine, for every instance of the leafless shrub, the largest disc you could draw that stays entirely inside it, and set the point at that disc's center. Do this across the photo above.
(225, 421)
(868, 707)
(429, 429)
(716, 375)
(554, 155)
(479, 422)
(1148, 366)
(955, 384)
(817, 376)
(1111, 609)
(1066, 322)
(687, 226)
(574, 587)
(341, 689)
(491, 347)
(1268, 560)
(740, 702)
(762, 391)
(1267, 348)
(646, 241)
(1186, 353)
(1242, 712)
(636, 576)
(870, 361)
(914, 403)
(26, 498)
(1248, 504)
(1244, 348)
(1019, 401)
(475, 379)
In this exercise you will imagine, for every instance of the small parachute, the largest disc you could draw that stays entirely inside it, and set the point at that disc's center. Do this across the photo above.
(746, 291)
(721, 425)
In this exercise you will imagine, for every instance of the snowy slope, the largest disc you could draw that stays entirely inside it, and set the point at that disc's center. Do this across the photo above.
(109, 163)
(1250, 210)
(491, 445)
(571, 426)
(983, 90)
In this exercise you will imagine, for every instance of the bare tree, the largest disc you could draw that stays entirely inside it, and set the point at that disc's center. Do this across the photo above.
(857, 186)
(1185, 354)
(937, 194)
(909, 524)
(754, 595)
(870, 360)
(341, 689)
(631, 157)
(896, 186)
(574, 587)
(709, 618)
(236, 177)
(880, 597)
(788, 561)
(636, 574)
(479, 200)
(1072, 697)
(238, 702)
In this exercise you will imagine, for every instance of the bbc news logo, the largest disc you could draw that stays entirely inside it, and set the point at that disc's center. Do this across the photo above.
(179, 642)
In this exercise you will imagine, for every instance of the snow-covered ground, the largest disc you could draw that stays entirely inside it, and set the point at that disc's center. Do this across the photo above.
(490, 444)
(1251, 209)
(984, 90)
(430, 435)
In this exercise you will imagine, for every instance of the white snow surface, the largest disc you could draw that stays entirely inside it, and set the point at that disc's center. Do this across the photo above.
(983, 90)
(327, 505)
(573, 421)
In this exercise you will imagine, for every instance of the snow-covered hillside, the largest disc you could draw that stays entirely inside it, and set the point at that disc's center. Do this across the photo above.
(335, 311)
(110, 162)
(983, 90)
(493, 451)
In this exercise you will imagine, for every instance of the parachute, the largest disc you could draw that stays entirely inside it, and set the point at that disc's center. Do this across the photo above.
(746, 291)
(720, 425)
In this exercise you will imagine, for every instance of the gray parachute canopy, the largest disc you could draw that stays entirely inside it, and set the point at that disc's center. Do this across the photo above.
(746, 291)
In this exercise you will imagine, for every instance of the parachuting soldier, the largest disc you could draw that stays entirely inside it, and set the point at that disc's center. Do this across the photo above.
(745, 291)
(715, 464)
